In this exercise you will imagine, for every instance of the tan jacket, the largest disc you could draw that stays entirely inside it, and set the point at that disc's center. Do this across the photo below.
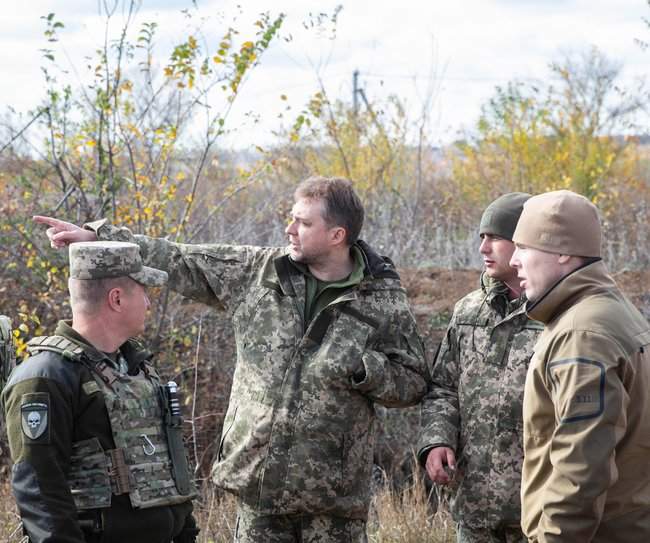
(586, 472)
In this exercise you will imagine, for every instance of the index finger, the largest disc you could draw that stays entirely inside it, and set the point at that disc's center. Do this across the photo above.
(50, 221)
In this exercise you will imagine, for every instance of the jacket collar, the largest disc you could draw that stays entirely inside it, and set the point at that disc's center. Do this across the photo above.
(589, 279)
(375, 267)
(376, 264)
(497, 295)
(132, 349)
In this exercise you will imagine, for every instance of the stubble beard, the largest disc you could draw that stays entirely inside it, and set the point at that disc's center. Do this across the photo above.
(308, 259)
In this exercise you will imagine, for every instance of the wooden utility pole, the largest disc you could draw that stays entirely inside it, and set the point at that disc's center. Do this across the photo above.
(355, 90)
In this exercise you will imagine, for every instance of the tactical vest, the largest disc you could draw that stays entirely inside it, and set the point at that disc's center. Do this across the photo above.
(141, 464)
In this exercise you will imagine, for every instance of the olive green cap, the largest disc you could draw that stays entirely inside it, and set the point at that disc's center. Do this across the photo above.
(501, 216)
(105, 259)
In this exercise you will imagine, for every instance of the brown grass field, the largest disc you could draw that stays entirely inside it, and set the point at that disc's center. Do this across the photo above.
(404, 517)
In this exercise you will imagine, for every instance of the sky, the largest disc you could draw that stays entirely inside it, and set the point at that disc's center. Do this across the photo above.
(445, 58)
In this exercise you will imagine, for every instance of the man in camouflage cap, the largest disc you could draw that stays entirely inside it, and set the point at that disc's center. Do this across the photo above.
(471, 415)
(324, 332)
(93, 458)
(586, 473)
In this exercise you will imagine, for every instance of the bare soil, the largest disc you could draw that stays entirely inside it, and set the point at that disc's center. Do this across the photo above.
(434, 291)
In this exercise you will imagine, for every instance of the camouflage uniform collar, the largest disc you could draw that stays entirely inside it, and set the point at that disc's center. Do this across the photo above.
(375, 267)
(132, 349)
(355, 277)
(373, 263)
(376, 264)
(497, 295)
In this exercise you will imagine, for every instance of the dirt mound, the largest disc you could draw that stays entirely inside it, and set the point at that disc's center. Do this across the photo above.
(434, 291)
(636, 286)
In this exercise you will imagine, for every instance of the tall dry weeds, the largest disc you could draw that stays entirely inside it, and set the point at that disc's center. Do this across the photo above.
(10, 526)
(396, 517)
(409, 515)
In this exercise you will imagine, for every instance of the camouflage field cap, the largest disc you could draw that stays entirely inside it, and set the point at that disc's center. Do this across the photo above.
(104, 259)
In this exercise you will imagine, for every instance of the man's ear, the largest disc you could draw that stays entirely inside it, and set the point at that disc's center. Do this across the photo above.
(338, 235)
(563, 259)
(114, 298)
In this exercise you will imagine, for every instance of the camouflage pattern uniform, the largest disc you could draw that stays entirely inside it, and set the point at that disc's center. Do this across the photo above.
(298, 435)
(474, 406)
(253, 527)
(7, 361)
(91, 459)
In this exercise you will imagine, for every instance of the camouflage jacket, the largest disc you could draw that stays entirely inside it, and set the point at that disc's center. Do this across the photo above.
(298, 434)
(51, 403)
(474, 403)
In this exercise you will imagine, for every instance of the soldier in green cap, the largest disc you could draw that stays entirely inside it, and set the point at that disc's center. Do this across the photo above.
(472, 413)
(96, 456)
(324, 333)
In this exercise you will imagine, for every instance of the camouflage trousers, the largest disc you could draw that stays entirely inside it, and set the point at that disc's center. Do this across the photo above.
(506, 534)
(255, 528)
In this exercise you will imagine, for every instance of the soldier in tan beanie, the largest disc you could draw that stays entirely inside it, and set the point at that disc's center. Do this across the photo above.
(586, 475)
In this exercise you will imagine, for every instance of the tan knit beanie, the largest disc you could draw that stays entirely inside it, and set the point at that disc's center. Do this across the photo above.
(560, 222)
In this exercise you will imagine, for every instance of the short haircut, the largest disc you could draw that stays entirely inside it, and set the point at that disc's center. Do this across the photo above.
(342, 206)
(88, 295)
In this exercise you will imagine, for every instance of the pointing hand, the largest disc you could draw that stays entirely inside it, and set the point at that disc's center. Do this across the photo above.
(62, 233)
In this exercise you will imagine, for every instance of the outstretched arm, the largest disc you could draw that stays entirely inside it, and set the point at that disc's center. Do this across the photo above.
(214, 274)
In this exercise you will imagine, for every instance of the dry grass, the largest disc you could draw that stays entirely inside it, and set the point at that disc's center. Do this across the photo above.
(10, 528)
(403, 517)
(408, 516)
(216, 514)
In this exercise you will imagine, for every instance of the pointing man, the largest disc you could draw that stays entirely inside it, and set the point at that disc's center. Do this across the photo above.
(324, 332)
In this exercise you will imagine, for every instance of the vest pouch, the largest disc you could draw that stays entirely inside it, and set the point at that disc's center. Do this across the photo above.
(88, 478)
